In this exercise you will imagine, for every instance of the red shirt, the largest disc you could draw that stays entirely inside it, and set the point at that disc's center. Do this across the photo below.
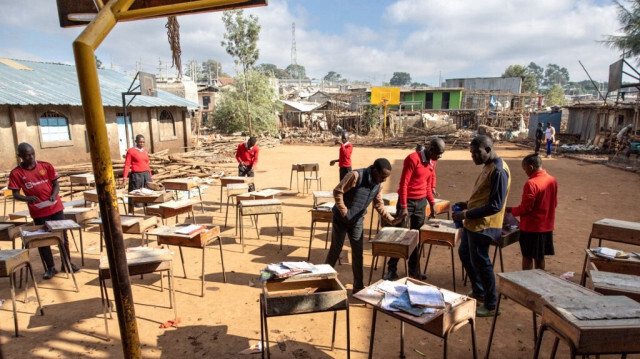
(537, 210)
(137, 160)
(418, 178)
(345, 154)
(37, 182)
(246, 156)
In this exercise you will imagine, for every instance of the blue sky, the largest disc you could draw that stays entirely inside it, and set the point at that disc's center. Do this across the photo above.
(364, 40)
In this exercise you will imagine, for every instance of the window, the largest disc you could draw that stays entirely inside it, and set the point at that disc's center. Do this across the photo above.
(428, 101)
(206, 100)
(167, 125)
(445, 100)
(54, 127)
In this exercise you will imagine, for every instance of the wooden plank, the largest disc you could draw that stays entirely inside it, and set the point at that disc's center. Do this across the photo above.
(609, 283)
(390, 240)
(616, 231)
(528, 288)
(9, 259)
(304, 296)
(200, 239)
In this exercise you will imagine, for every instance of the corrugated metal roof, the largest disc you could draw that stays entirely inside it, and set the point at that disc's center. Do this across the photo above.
(57, 84)
(303, 106)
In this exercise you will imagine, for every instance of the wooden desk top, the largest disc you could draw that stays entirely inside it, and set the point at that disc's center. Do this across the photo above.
(459, 308)
(444, 234)
(199, 239)
(141, 255)
(92, 195)
(396, 236)
(617, 231)
(20, 215)
(304, 166)
(236, 186)
(322, 194)
(181, 184)
(235, 179)
(86, 178)
(260, 202)
(529, 287)
(179, 204)
(61, 225)
(609, 283)
(603, 324)
(125, 221)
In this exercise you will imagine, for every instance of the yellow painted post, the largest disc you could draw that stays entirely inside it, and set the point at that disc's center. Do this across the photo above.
(384, 120)
(84, 52)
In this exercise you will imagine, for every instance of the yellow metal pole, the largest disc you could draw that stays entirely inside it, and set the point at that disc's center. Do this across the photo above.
(384, 121)
(174, 8)
(84, 52)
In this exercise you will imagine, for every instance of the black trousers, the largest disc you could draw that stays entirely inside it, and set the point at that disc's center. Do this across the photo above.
(538, 143)
(138, 180)
(247, 171)
(416, 209)
(355, 233)
(45, 252)
(344, 171)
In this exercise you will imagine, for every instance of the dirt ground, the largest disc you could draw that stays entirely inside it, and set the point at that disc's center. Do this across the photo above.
(226, 320)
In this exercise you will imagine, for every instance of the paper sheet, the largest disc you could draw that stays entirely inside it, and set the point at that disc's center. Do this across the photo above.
(425, 295)
(190, 229)
(391, 287)
(45, 204)
(386, 302)
(33, 233)
(298, 265)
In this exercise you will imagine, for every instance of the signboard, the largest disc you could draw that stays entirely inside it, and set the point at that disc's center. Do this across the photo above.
(615, 75)
(148, 84)
(385, 95)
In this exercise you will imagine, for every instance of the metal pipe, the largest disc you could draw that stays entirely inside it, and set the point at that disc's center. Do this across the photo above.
(163, 10)
(84, 53)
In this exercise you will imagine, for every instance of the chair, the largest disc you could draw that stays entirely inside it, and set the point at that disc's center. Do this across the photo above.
(307, 180)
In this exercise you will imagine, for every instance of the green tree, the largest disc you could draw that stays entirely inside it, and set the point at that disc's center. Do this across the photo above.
(241, 42)
(629, 18)
(214, 68)
(537, 72)
(333, 76)
(230, 115)
(528, 79)
(555, 96)
(555, 74)
(419, 84)
(296, 71)
(370, 117)
(273, 70)
(400, 79)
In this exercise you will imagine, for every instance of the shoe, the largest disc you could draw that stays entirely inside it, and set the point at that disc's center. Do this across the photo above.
(49, 273)
(390, 276)
(73, 268)
(483, 312)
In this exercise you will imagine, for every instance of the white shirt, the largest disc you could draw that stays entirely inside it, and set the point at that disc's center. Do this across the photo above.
(549, 133)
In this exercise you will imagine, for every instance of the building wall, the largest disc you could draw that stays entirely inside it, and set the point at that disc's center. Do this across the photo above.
(22, 124)
(498, 84)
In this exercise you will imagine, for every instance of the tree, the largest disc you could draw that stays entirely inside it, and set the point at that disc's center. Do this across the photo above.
(419, 84)
(296, 71)
(273, 70)
(537, 72)
(241, 42)
(230, 116)
(528, 79)
(555, 74)
(555, 96)
(629, 43)
(213, 68)
(400, 79)
(333, 76)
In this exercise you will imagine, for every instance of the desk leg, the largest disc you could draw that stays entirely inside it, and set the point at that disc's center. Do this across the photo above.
(224, 276)
(493, 326)
(373, 332)
(261, 329)
(279, 226)
(201, 203)
(326, 242)
(257, 229)
(536, 353)
(501, 261)
(265, 348)
(172, 297)
(535, 327)
(104, 305)
(348, 334)
(371, 224)
(453, 269)
(310, 240)
(81, 247)
(202, 280)
(241, 226)
(472, 322)
(220, 196)
(402, 340)
(290, 179)
(12, 281)
(426, 263)
(182, 261)
(333, 332)
(583, 278)
(554, 349)
(373, 259)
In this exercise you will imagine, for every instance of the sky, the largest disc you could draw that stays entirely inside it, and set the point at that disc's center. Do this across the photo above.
(364, 40)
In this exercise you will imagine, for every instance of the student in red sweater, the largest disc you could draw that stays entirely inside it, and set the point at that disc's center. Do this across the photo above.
(247, 157)
(136, 168)
(39, 182)
(344, 158)
(416, 188)
(537, 212)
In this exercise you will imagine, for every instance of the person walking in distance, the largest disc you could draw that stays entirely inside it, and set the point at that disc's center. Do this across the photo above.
(247, 157)
(344, 156)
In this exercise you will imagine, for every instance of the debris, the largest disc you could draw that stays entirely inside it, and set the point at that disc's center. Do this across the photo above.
(251, 283)
(171, 323)
(419, 352)
(567, 275)
(2, 302)
(253, 349)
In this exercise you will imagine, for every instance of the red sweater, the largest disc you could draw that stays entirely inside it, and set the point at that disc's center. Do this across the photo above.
(418, 179)
(537, 210)
(344, 160)
(136, 161)
(248, 157)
